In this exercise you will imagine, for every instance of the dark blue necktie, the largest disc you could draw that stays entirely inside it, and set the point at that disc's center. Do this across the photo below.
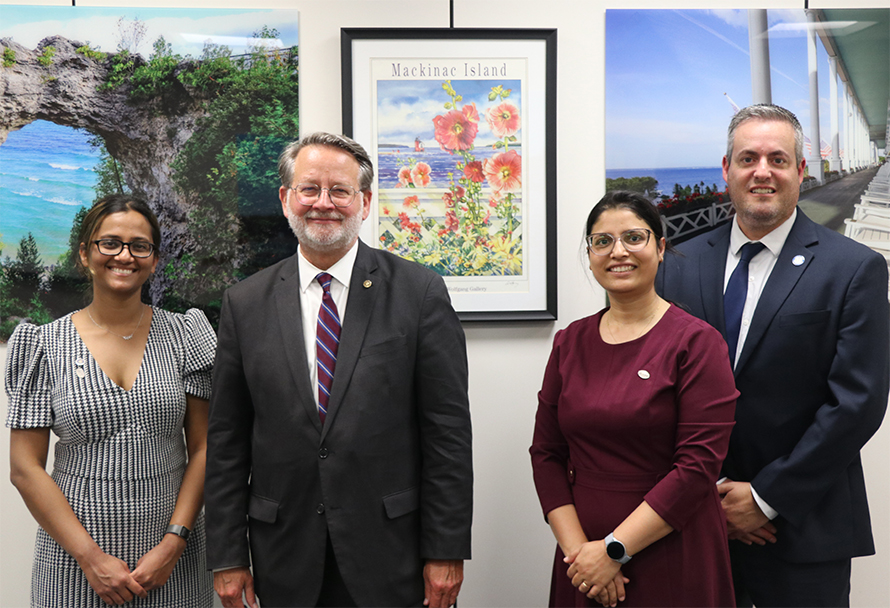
(735, 295)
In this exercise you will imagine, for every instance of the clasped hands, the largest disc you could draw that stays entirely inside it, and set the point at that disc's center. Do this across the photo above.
(113, 581)
(745, 521)
(596, 574)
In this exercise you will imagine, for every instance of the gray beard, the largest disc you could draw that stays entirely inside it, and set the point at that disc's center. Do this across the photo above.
(324, 240)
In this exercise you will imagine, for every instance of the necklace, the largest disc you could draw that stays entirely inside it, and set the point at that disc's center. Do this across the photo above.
(609, 323)
(130, 337)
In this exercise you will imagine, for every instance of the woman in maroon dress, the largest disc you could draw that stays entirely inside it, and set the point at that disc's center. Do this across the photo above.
(633, 423)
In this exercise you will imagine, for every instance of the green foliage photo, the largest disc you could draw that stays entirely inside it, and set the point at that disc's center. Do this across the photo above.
(46, 58)
(229, 168)
(87, 51)
(634, 184)
(8, 57)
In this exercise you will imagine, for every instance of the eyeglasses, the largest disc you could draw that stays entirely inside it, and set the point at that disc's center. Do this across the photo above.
(602, 243)
(112, 247)
(309, 194)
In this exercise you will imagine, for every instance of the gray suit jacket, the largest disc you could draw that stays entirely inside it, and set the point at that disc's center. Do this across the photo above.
(388, 476)
(813, 376)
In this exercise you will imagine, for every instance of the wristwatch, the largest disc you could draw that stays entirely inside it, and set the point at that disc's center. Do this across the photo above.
(180, 531)
(616, 550)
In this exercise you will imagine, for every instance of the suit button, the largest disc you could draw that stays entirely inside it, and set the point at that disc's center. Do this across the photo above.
(323, 453)
(320, 508)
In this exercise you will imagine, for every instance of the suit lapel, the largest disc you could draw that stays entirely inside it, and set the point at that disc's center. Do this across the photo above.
(711, 272)
(364, 285)
(290, 319)
(792, 262)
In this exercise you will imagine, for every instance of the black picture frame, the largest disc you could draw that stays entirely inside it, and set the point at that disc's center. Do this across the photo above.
(377, 62)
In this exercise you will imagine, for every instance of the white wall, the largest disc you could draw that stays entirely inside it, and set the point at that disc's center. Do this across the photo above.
(512, 546)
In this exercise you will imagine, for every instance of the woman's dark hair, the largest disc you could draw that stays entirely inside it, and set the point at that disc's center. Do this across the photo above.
(105, 206)
(634, 202)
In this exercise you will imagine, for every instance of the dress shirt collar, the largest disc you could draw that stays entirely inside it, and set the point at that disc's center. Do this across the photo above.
(341, 270)
(774, 241)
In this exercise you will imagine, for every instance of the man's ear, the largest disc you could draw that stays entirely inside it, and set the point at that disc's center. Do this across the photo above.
(366, 203)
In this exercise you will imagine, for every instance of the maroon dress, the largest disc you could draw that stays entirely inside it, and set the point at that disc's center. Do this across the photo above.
(646, 420)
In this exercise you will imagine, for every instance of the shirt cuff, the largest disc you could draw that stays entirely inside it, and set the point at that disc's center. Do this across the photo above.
(764, 506)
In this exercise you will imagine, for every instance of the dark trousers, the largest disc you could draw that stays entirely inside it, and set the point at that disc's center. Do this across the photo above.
(761, 579)
(333, 587)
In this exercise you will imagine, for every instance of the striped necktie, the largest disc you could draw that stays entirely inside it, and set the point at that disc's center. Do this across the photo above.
(327, 340)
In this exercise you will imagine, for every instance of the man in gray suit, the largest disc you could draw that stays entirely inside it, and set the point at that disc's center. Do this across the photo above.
(339, 449)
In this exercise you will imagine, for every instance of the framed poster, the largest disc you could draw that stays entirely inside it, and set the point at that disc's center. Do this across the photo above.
(461, 126)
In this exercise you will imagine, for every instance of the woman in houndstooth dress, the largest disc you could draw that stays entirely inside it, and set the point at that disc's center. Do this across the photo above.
(118, 382)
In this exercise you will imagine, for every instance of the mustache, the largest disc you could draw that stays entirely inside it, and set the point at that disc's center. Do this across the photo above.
(318, 215)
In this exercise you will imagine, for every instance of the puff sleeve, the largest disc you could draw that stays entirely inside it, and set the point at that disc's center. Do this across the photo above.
(28, 380)
(200, 350)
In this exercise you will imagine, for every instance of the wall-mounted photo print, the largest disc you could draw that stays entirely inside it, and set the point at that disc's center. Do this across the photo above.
(187, 109)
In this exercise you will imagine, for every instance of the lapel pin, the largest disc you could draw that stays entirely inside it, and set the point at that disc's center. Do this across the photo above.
(643, 374)
(797, 260)
(367, 283)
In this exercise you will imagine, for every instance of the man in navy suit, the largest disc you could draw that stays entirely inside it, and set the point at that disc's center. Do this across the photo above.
(811, 363)
(357, 491)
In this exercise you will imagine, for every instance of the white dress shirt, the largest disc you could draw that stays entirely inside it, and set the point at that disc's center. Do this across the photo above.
(759, 270)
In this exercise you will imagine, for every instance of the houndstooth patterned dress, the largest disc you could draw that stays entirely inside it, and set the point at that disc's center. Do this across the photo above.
(121, 454)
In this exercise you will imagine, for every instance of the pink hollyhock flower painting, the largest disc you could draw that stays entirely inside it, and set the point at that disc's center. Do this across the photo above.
(471, 112)
(503, 120)
(420, 175)
(474, 171)
(404, 177)
(454, 131)
(451, 221)
(450, 196)
(410, 202)
(504, 171)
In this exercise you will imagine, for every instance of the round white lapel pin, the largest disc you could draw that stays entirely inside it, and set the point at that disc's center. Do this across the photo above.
(643, 374)
(797, 260)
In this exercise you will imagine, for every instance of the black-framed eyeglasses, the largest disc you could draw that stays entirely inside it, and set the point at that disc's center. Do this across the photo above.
(112, 247)
(308, 194)
(602, 243)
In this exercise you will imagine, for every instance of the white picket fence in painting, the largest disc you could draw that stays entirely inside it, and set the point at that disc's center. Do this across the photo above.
(683, 224)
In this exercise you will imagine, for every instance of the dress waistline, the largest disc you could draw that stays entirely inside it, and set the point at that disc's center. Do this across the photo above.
(600, 480)
(121, 458)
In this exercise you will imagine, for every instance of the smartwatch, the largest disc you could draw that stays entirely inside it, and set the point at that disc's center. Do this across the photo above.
(616, 550)
(180, 531)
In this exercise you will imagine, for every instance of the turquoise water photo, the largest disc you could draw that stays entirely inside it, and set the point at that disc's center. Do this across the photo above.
(46, 176)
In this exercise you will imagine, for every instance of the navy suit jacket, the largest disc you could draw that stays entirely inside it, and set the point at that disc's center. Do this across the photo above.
(388, 476)
(813, 378)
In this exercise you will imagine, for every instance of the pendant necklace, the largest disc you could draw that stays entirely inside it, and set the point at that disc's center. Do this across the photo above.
(130, 337)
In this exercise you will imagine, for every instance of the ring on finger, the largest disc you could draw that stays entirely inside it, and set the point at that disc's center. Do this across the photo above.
(583, 584)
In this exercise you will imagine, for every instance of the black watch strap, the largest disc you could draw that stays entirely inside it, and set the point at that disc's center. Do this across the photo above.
(180, 531)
